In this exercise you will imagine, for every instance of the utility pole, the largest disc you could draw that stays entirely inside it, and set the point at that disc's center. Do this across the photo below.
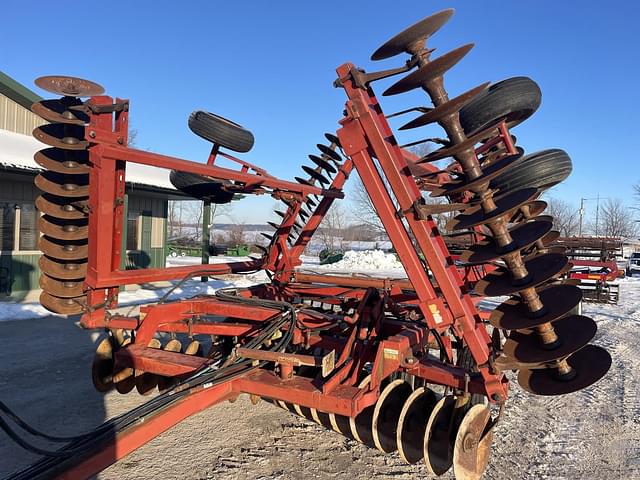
(581, 212)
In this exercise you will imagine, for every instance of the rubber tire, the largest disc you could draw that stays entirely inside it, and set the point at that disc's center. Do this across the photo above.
(220, 130)
(514, 99)
(201, 187)
(541, 170)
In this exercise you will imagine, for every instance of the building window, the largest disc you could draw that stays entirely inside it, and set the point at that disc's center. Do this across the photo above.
(133, 230)
(7, 225)
(28, 227)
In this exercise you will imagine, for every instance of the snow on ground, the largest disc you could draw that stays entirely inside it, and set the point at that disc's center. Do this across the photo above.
(372, 262)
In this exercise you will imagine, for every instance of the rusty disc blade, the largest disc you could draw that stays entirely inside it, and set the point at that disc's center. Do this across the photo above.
(361, 424)
(472, 446)
(303, 181)
(488, 173)
(505, 205)
(333, 139)
(534, 209)
(547, 218)
(411, 39)
(57, 111)
(69, 86)
(61, 207)
(387, 413)
(67, 137)
(123, 380)
(147, 382)
(558, 301)
(63, 185)
(413, 424)
(451, 150)
(61, 288)
(321, 418)
(551, 237)
(329, 152)
(589, 364)
(523, 235)
(428, 72)
(317, 175)
(70, 162)
(304, 412)
(439, 435)
(166, 383)
(65, 270)
(445, 109)
(340, 424)
(322, 163)
(63, 229)
(524, 348)
(102, 365)
(541, 268)
(311, 202)
(194, 348)
(63, 249)
(63, 306)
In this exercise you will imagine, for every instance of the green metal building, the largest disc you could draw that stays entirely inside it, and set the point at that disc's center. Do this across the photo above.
(148, 192)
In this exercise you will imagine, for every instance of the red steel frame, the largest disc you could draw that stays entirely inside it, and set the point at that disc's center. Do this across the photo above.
(434, 290)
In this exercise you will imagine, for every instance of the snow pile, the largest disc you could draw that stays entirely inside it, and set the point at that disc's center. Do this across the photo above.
(366, 260)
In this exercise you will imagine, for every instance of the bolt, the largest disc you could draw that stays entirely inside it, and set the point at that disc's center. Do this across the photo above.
(92, 134)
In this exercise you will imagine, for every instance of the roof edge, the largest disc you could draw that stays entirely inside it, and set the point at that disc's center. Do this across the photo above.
(17, 92)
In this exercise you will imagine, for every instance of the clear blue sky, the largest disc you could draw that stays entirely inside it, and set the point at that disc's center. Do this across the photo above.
(270, 66)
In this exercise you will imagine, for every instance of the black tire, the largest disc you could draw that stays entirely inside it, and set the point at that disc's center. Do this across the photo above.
(540, 170)
(219, 130)
(201, 187)
(514, 99)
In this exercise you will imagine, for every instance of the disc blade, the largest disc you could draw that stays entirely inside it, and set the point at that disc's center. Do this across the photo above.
(322, 163)
(333, 139)
(63, 249)
(413, 37)
(303, 181)
(428, 72)
(534, 209)
(147, 382)
(387, 413)
(69, 86)
(63, 185)
(488, 173)
(63, 306)
(550, 237)
(314, 174)
(57, 111)
(438, 437)
(69, 162)
(65, 270)
(523, 235)
(505, 205)
(102, 365)
(467, 144)
(558, 301)
(59, 207)
(524, 349)
(541, 268)
(61, 288)
(445, 109)
(340, 424)
(472, 446)
(590, 364)
(335, 156)
(412, 424)
(63, 229)
(67, 137)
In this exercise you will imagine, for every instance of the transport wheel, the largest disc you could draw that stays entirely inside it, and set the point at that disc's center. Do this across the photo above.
(220, 130)
(541, 170)
(201, 187)
(466, 361)
(514, 100)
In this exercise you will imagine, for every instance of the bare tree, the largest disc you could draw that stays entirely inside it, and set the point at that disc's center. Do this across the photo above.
(566, 218)
(331, 228)
(614, 220)
(236, 234)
